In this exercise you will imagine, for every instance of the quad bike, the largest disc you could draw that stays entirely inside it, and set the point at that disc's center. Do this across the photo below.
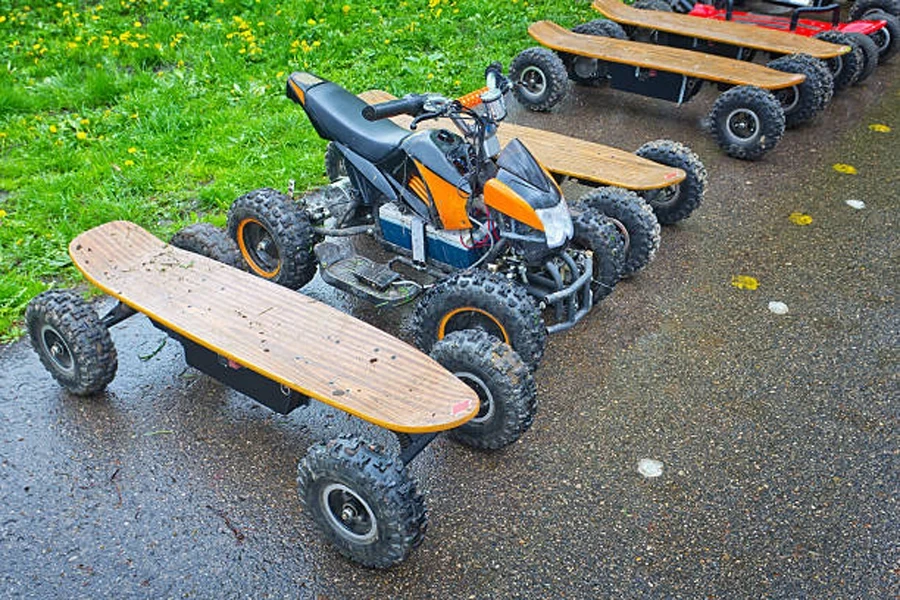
(482, 238)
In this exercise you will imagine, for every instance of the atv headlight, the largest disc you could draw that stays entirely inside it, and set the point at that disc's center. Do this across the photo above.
(557, 224)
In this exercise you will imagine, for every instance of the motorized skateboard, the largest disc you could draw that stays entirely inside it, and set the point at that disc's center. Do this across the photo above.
(281, 348)
(877, 33)
(653, 170)
(740, 41)
(729, 38)
(748, 120)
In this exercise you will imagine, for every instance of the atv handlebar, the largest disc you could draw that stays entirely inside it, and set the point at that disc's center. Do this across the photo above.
(411, 105)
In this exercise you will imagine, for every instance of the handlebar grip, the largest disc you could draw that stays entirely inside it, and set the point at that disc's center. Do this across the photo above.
(472, 99)
(408, 105)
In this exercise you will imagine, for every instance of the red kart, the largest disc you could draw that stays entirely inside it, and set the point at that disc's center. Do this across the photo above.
(877, 34)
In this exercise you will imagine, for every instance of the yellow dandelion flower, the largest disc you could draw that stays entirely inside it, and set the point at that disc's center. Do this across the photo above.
(81, 135)
(346, 8)
(53, 129)
(137, 25)
(879, 128)
(129, 163)
(846, 169)
(3, 213)
(799, 218)
(279, 74)
(744, 282)
(132, 150)
(2, 134)
(310, 21)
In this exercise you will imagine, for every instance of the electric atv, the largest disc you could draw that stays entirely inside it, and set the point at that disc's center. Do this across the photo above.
(482, 238)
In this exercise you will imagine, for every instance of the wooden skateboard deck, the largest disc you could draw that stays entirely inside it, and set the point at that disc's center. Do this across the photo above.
(572, 157)
(725, 32)
(279, 333)
(662, 58)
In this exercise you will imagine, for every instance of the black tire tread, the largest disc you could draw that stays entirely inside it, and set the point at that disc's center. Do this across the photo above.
(489, 292)
(359, 464)
(553, 70)
(288, 225)
(870, 55)
(94, 356)
(813, 91)
(208, 240)
(505, 374)
(768, 111)
(852, 61)
(636, 216)
(597, 233)
(862, 8)
(892, 30)
(690, 191)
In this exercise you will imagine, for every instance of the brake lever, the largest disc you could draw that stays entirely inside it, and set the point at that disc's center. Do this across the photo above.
(423, 117)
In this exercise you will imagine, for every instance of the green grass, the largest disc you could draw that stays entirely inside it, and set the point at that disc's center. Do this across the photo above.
(164, 111)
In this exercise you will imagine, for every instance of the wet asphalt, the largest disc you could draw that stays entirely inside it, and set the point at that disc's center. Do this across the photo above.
(777, 434)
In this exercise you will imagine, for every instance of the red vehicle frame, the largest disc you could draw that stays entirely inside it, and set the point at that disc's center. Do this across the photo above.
(878, 25)
(794, 23)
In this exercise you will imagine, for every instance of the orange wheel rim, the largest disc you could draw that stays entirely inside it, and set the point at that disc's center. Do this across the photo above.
(250, 254)
(442, 326)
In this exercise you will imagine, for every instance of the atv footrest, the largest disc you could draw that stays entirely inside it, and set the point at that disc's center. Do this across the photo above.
(376, 275)
(375, 282)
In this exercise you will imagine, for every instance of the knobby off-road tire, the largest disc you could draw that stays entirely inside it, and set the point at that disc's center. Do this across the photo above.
(591, 71)
(803, 102)
(747, 122)
(887, 39)
(658, 5)
(363, 500)
(208, 240)
(275, 237)
(539, 79)
(503, 382)
(862, 9)
(597, 233)
(870, 55)
(675, 202)
(824, 73)
(846, 68)
(71, 341)
(634, 218)
(334, 163)
(481, 300)
(642, 34)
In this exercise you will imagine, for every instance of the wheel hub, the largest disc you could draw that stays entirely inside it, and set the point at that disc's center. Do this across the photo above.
(743, 124)
(349, 514)
(663, 197)
(262, 246)
(586, 68)
(533, 81)
(486, 403)
(57, 350)
(788, 98)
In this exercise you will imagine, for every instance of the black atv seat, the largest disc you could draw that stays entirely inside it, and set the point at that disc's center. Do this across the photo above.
(336, 115)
